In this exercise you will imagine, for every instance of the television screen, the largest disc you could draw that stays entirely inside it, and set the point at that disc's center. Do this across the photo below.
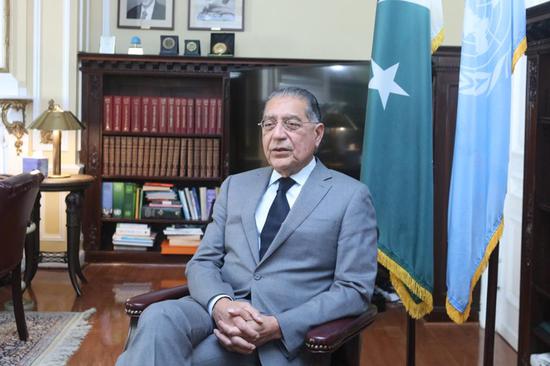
(342, 94)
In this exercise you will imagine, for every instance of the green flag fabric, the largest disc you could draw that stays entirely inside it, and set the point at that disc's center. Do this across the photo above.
(397, 149)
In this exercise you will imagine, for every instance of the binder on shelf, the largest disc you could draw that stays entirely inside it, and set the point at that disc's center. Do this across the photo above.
(118, 198)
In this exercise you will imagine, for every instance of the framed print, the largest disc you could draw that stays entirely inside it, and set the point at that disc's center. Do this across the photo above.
(216, 15)
(146, 14)
(4, 34)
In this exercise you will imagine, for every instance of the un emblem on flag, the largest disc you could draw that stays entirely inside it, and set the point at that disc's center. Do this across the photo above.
(485, 52)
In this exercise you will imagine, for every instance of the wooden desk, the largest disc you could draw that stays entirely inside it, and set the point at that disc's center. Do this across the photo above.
(76, 185)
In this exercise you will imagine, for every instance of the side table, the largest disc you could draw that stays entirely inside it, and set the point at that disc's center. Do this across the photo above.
(76, 185)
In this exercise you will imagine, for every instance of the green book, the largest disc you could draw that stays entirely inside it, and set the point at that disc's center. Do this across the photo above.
(118, 198)
(129, 206)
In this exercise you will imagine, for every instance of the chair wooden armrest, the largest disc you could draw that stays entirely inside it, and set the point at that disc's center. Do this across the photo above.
(328, 337)
(135, 305)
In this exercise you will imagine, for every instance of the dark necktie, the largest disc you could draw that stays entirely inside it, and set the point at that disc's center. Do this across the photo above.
(276, 215)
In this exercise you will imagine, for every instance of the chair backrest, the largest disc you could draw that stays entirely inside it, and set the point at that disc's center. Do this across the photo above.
(17, 196)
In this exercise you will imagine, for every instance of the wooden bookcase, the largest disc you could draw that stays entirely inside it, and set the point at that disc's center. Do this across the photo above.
(534, 322)
(150, 76)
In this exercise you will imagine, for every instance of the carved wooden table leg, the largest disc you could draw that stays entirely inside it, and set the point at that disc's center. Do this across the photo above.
(74, 206)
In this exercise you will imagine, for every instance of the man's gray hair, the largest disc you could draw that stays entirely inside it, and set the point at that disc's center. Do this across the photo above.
(313, 112)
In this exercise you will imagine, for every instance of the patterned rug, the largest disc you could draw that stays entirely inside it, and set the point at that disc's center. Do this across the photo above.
(53, 337)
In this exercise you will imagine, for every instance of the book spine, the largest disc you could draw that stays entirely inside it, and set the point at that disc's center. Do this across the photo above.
(145, 114)
(171, 119)
(163, 115)
(183, 158)
(129, 200)
(190, 116)
(216, 159)
(135, 120)
(105, 157)
(117, 113)
(108, 113)
(177, 115)
(212, 114)
(154, 120)
(219, 117)
(118, 198)
(198, 116)
(205, 115)
(107, 199)
(126, 113)
(183, 123)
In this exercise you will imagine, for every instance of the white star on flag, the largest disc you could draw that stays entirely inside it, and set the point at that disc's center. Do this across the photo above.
(383, 81)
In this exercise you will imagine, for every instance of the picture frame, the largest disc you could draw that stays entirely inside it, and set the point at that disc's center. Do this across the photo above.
(216, 15)
(4, 34)
(159, 14)
(192, 47)
(169, 45)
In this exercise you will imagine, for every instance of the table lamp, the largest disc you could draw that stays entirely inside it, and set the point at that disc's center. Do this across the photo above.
(56, 120)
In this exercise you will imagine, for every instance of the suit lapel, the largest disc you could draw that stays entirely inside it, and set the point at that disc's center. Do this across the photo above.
(252, 195)
(313, 191)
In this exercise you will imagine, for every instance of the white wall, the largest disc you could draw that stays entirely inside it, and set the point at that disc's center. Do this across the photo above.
(323, 29)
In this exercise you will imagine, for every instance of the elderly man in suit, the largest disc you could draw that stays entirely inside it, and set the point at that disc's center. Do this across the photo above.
(147, 10)
(291, 246)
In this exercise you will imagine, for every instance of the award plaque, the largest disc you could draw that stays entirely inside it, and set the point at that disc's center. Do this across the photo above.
(222, 44)
(169, 45)
(192, 47)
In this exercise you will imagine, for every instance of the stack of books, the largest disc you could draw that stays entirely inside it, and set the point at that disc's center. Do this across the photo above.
(181, 240)
(129, 236)
(160, 201)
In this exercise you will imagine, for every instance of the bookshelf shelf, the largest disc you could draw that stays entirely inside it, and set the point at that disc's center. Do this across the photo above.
(161, 134)
(153, 221)
(143, 178)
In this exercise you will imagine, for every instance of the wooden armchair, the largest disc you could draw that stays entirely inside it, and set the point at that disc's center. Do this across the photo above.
(17, 196)
(340, 337)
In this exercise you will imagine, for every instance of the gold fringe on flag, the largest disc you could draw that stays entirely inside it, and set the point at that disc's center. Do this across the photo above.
(403, 283)
(454, 313)
(438, 40)
(518, 52)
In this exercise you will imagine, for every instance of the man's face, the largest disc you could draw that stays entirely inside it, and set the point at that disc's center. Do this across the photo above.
(289, 151)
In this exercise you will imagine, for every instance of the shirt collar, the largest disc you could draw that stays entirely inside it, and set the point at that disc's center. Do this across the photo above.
(300, 177)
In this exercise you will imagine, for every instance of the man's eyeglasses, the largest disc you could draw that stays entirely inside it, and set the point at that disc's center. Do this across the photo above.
(289, 124)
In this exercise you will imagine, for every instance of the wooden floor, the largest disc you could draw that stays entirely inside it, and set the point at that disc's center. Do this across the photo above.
(109, 285)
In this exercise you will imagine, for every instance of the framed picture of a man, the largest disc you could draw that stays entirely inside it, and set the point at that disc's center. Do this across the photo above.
(216, 15)
(146, 14)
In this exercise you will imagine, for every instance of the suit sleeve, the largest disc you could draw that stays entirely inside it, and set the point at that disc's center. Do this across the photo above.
(204, 270)
(354, 276)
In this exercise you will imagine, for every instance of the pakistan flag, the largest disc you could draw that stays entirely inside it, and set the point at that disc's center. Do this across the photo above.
(397, 149)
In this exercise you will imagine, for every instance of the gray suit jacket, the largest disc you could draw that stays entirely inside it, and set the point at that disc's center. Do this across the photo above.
(320, 266)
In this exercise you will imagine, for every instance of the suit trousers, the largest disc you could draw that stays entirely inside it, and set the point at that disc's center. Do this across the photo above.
(179, 332)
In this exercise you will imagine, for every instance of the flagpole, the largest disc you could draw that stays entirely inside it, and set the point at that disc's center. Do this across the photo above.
(490, 313)
(411, 336)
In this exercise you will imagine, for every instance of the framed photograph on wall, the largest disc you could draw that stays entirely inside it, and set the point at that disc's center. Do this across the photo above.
(146, 14)
(216, 15)
(4, 34)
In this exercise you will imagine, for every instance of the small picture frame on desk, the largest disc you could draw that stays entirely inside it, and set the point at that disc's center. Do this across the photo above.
(144, 14)
(216, 15)
(222, 44)
(169, 46)
(192, 47)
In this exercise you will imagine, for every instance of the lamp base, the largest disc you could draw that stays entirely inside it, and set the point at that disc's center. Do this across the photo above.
(57, 176)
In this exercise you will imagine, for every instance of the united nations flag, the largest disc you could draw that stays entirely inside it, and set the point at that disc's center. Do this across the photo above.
(493, 40)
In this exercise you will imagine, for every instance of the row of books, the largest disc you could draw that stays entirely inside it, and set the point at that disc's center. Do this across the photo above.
(156, 200)
(153, 114)
(161, 156)
(129, 236)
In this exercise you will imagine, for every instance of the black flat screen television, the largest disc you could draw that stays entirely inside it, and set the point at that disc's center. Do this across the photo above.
(342, 94)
